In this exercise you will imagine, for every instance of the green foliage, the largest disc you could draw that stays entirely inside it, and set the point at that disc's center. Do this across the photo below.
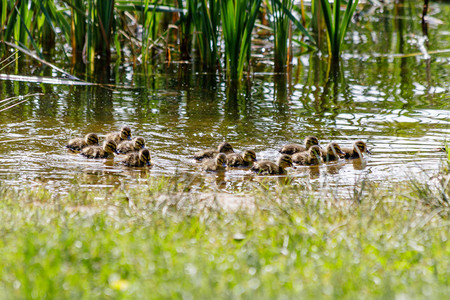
(337, 27)
(207, 16)
(78, 26)
(157, 241)
(281, 32)
(150, 28)
(186, 23)
(238, 20)
(91, 28)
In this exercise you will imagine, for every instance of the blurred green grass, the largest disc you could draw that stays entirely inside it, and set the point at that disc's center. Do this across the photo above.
(160, 241)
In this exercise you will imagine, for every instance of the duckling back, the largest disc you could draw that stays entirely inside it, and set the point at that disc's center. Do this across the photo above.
(296, 148)
(205, 154)
(244, 159)
(138, 159)
(292, 149)
(359, 147)
(94, 152)
(107, 151)
(216, 164)
(123, 135)
(332, 152)
(129, 146)
(91, 139)
(224, 147)
(266, 167)
(309, 158)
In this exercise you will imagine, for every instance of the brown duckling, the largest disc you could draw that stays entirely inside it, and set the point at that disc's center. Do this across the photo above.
(308, 158)
(215, 164)
(107, 151)
(332, 152)
(122, 135)
(359, 147)
(244, 159)
(138, 159)
(136, 144)
(265, 167)
(225, 147)
(295, 148)
(91, 139)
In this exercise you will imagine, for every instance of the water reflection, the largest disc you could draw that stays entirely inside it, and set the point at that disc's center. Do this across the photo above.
(398, 104)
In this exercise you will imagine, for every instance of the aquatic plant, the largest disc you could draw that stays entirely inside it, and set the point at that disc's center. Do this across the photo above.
(238, 20)
(281, 31)
(150, 28)
(337, 27)
(207, 17)
(95, 29)
(78, 24)
(186, 23)
(99, 29)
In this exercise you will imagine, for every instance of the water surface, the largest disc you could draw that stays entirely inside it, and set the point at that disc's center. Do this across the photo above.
(396, 102)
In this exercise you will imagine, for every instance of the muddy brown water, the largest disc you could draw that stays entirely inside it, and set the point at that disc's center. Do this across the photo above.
(399, 104)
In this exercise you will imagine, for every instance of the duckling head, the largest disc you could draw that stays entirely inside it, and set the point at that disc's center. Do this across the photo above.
(139, 142)
(91, 139)
(285, 161)
(249, 156)
(361, 147)
(225, 147)
(221, 159)
(311, 141)
(144, 156)
(110, 146)
(334, 149)
(314, 151)
(125, 133)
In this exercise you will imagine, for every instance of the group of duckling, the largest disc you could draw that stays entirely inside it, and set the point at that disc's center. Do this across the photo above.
(136, 155)
(217, 159)
(309, 154)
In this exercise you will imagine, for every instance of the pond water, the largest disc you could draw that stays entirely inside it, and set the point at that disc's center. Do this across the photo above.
(387, 91)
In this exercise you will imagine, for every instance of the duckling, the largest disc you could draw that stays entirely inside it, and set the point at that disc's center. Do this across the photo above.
(91, 139)
(122, 135)
(107, 151)
(295, 148)
(129, 146)
(225, 147)
(332, 152)
(216, 164)
(244, 159)
(309, 158)
(265, 167)
(359, 147)
(138, 159)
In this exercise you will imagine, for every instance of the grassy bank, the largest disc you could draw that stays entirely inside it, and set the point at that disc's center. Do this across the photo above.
(157, 241)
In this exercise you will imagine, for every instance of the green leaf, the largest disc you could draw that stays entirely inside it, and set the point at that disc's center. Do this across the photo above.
(295, 21)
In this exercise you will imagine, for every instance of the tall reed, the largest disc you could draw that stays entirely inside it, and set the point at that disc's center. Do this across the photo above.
(149, 29)
(19, 24)
(186, 26)
(105, 22)
(337, 27)
(238, 20)
(207, 16)
(281, 24)
(78, 26)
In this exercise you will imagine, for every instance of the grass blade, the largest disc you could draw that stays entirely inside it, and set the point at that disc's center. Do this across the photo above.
(328, 19)
(296, 21)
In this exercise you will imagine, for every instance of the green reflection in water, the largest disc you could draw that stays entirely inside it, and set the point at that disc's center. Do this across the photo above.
(398, 104)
